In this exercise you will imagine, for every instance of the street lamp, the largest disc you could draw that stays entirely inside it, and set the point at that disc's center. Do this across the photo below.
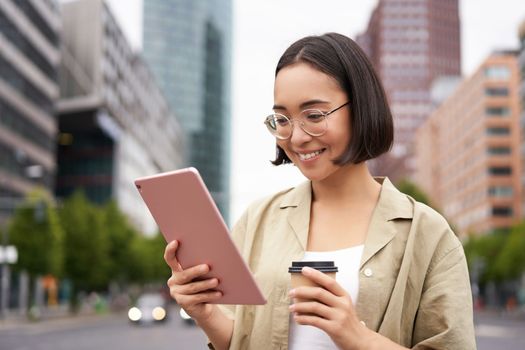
(8, 255)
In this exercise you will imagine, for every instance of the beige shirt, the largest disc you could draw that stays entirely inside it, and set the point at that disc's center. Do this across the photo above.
(413, 280)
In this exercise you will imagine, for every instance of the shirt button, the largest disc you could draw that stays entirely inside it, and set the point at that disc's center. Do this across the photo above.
(368, 272)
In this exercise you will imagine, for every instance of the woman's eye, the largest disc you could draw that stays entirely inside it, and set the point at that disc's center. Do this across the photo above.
(281, 121)
(314, 117)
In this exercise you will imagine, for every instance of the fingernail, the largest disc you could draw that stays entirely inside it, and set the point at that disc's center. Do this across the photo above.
(291, 292)
(307, 269)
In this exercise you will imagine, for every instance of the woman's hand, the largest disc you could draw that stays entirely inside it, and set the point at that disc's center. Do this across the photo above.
(193, 296)
(329, 307)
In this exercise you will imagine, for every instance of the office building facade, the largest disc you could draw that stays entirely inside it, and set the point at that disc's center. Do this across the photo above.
(115, 123)
(29, 60)
(411, 43)
(521, 63)
(468, 151)
(187, 44)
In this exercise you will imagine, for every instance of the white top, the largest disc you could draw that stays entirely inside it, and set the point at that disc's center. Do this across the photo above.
(347, 260)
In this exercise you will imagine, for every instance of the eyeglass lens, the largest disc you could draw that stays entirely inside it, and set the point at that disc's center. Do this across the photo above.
(312, 122)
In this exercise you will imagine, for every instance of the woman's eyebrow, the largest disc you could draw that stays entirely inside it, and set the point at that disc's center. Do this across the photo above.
(304, 105)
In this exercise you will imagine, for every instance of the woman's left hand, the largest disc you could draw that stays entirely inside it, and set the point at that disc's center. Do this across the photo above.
(330, 308)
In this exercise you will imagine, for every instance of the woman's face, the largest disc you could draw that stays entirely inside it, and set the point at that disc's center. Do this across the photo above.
(299, 87)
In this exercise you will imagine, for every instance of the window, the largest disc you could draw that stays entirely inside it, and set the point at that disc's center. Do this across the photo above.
(502, 211)
(500, 171)
(497, 91)
(497, 111)
(12, 164)
(497, 72)
(498, 131)
(23, 86)
(34, 16)
(496, 151)
(15, 37)
(17, 123)
(500, 191)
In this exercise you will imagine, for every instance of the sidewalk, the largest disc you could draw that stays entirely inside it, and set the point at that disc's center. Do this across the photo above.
(517, 314)
(14, 320)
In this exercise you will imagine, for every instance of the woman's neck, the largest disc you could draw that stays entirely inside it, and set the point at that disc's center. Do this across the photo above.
(349, 184)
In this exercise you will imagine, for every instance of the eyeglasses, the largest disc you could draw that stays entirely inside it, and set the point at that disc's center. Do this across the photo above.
(312, 121)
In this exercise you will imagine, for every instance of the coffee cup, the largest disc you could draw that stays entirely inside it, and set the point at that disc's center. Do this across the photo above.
(297, 278)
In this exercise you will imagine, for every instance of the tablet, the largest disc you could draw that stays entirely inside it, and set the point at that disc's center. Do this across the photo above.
(185, 211)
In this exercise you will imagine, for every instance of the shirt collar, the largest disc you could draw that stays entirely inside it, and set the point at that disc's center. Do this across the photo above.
(392, 204)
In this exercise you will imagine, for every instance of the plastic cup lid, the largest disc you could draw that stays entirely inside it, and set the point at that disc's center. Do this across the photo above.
(323, 266)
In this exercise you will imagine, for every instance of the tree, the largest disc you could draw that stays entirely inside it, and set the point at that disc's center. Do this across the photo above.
(510, 262)
(413, 191)
(120, 236)
(86, 245)
(148, 262)
(484, 250)
(36, 232)
(158, 269)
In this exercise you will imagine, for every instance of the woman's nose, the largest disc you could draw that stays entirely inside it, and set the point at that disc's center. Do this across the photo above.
(299, 136)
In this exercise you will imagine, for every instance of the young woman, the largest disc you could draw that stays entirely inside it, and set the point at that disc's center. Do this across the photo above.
(402, 280)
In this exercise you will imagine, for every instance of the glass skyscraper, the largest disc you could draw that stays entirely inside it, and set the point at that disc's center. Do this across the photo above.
(187, 45)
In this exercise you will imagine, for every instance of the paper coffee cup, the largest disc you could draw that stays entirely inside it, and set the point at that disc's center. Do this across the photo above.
(297, 278)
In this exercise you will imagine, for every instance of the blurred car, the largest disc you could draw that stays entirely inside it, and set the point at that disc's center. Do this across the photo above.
(149, 308)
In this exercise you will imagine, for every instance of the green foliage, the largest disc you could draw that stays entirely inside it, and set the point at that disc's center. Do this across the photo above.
(510, 262)
(413, 191)
(483, 251)
(87, 260)
(120, 236)
(36, 232)
(499, 255)
(90, 246)
(148, 259)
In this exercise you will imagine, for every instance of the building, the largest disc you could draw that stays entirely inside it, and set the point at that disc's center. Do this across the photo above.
(29, 60)
(187, 44)
(468, 151)
(411, 43)
(521, 62)
(115, 123)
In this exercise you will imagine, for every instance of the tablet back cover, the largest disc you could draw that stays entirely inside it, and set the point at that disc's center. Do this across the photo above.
(185, 211)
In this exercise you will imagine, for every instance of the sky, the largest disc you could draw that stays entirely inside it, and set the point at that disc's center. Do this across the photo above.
(263, 29)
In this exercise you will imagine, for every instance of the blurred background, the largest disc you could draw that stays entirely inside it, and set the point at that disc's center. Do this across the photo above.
(95, 93)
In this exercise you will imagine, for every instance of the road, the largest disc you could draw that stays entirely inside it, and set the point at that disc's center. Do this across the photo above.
(114, 332)
(495, 331)
(107, 332)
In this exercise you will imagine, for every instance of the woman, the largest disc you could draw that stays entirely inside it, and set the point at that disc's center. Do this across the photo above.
(402, 280)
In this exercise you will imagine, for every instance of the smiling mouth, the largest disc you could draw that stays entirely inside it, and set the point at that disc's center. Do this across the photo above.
(306, 156)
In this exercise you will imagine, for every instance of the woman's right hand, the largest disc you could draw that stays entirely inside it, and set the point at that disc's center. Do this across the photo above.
(193, 296)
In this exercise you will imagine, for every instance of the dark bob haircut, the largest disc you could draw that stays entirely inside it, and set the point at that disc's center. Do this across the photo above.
(372, 128)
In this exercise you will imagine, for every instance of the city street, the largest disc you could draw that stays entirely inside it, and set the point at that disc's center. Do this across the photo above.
(106, 332)
(494, 331)
(113, 332)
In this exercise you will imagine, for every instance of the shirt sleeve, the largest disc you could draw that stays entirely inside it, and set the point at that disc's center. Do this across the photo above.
(444, 319)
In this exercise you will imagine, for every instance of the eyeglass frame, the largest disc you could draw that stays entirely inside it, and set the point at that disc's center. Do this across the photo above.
(302, 123)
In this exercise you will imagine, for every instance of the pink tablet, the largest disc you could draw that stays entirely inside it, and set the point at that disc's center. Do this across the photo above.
(185, 211)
